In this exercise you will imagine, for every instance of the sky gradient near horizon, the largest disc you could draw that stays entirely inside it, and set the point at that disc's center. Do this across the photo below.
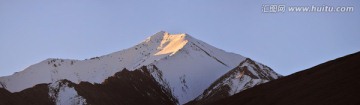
(34, 30)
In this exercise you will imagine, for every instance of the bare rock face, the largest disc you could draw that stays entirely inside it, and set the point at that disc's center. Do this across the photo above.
(136, 87)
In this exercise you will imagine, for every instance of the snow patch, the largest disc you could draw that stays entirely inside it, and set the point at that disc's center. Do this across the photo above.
(238, 85)
(63, 94)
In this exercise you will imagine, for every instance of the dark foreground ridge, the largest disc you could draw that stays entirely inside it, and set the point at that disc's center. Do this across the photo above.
(37, 95)
(126, 87)
(336, 82)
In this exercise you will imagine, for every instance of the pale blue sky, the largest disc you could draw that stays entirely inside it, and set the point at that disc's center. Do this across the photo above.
(33, 30)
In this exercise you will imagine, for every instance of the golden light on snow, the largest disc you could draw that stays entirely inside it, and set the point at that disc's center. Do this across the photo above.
(171, 43)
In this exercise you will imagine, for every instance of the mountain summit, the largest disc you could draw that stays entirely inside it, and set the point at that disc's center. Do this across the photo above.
(183, 68)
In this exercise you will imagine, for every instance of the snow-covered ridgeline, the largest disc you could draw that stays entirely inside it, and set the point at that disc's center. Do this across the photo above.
(93, 70)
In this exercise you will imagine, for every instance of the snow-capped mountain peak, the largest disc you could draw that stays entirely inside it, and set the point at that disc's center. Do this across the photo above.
(184, 65)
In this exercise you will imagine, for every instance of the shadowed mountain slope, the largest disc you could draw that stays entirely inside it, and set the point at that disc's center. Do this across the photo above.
(336, 82)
